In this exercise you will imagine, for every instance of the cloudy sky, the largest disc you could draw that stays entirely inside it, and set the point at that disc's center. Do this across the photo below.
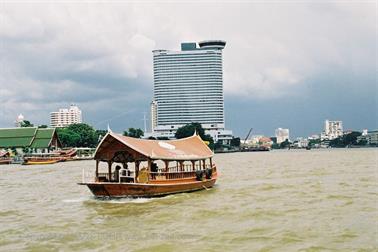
(286, 63)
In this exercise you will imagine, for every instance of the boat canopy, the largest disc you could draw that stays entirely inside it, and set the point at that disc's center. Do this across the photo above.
(118, 148)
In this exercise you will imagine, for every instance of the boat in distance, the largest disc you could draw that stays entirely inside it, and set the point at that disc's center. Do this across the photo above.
(150, 168)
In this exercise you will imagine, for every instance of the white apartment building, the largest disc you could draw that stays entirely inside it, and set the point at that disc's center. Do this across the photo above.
(65, 117)
(188, 87)
(282, 135)
(332, 130)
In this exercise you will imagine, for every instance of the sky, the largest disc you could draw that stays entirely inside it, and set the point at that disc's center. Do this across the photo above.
(288, 64)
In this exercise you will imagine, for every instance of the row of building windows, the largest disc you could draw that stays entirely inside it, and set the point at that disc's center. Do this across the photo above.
(188, 69)
(186, 78)
(187, 55)
(185, 90)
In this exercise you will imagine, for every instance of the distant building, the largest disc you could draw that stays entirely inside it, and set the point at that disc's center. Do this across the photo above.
(65, 117)
(301, 142)
(188, 87)
(371, 138)
(332, 130)
(314, 137)
(32, 138)
(282, 135)
(20, 119)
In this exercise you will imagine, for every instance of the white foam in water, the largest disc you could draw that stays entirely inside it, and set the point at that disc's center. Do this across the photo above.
(128, 200)
(75, 200)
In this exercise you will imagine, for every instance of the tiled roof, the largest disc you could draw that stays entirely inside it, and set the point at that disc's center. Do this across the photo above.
(26, 137)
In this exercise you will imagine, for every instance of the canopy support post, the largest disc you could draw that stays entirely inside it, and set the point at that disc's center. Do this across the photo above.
(181, 165)
(149, 168)
(211, 163)
(166, 168)
(137, 163)
(97, 162)
(193, 165)
(110, 170)
(166, 165)
(204, 164)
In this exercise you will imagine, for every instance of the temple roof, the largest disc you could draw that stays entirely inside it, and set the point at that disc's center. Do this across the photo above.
(31, 137)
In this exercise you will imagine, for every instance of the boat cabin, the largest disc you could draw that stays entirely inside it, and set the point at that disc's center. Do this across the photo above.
(131, 160)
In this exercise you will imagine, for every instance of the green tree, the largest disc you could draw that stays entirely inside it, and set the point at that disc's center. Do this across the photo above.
(285, 144)
(345, 140)
(235, 141)
(25, 124)
(100, 134)
(78, 135)
(189, 129)
(132, 132)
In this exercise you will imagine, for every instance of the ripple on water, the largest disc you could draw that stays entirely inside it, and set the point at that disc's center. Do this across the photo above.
(277, 201)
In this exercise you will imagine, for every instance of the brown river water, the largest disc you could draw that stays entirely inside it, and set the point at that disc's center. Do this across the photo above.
(297, 200)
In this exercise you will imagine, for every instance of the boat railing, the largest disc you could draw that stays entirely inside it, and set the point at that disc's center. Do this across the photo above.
(172, 175)
(184, 168)
(175, 173)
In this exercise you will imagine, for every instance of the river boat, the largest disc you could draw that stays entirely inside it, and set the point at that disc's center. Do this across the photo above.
(41, 162)
(186, 165)
(5, 157)
(43, 158)
(49, 158)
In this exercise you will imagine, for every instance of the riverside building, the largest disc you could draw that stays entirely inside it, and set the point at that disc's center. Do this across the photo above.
(332, 130)
(188, 87)
(65, 117)
(282, 135)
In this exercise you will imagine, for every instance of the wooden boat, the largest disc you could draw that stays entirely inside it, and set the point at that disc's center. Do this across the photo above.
(40, 162)
(5, 157)
(185, 165)
(42, 159)
(5, 160)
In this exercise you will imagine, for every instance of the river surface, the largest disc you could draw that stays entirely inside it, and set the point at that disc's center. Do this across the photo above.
(318, 200)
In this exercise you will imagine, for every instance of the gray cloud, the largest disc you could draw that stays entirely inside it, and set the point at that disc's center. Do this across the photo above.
(99, 55)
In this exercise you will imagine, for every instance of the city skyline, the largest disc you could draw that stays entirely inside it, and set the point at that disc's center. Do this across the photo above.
(277, 72)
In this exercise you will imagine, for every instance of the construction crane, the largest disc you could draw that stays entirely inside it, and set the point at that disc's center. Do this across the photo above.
(245, 140)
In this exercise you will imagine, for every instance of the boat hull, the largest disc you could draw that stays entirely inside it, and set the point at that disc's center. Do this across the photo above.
(105, 189)
(40, 162)
(5, 161)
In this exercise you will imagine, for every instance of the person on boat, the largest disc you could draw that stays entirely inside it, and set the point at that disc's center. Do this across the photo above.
(116, 173)
(154, 167)
(125, 170)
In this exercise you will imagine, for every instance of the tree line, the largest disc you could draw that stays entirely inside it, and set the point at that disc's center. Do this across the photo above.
(84, 135)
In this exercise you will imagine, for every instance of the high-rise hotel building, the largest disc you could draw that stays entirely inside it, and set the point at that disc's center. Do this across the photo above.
(65, 117)
(188, 87)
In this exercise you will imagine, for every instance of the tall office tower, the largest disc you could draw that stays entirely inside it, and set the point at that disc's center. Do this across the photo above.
(188, 87)
(65, 117)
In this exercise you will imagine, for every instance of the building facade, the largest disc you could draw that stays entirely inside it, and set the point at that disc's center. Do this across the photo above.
(65, 117)
(282, 135)
(332, 130)
(188, 87)
(370, 137)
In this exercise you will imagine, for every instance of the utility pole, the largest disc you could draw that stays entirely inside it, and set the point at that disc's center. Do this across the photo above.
(145, 122)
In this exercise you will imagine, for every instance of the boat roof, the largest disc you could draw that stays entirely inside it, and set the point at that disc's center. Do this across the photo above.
(118, 148)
